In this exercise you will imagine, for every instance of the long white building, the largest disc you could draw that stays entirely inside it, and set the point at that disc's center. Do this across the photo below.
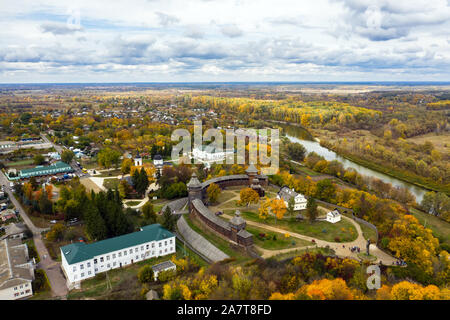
(81, 261)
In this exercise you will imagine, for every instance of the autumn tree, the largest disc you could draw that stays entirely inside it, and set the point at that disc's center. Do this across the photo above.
(126, 165)
(290, 207)
(145, 274)
(149, 213)
(213, 192)
(248, 195)
(67, 155)
(263, 210)
(278, 208)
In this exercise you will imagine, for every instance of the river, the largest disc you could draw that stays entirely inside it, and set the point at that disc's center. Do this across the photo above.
(298, 134)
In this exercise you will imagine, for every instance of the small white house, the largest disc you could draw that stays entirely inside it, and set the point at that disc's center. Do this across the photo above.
(158, 160)
(299, 200)
(163, 266)
(334, 216)
(138, 160)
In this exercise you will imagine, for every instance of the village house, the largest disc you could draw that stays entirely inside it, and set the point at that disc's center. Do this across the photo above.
(333, 216)
(299, 200)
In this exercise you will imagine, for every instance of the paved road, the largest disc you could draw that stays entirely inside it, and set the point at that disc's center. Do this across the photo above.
(51, 267)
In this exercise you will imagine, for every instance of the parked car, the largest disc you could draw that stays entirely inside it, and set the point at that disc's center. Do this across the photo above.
(219, 213)
(53, 221)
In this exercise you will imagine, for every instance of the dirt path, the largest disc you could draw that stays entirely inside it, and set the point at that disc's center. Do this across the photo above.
(341, 249)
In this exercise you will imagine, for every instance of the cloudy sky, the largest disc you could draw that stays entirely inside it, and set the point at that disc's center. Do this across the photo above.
(224, 40)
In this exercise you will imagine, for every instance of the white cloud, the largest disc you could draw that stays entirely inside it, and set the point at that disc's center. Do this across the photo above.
(175, 40)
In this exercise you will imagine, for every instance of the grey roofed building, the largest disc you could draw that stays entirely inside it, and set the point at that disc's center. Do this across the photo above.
(251, 169)
(194, 182)
(237, 220)
(163, 266)
(15, 230)
(286, 193)
(15, 269)
(152, 295)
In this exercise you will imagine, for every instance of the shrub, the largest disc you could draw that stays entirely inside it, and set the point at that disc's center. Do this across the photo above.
(145, 274)
(337, 239)
(167, 275)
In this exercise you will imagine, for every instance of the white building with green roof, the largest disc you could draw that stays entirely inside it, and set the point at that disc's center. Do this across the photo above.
(81, 261)
(54, 168)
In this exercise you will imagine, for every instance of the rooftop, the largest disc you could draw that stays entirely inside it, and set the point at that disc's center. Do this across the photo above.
(163, 266)
(13, 263)
(56, 165)
(80, 251)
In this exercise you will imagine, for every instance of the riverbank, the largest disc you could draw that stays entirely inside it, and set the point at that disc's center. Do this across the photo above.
(398, 174)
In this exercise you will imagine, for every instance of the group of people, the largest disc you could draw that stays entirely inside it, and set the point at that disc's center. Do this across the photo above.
(399, 263)
(355, 249)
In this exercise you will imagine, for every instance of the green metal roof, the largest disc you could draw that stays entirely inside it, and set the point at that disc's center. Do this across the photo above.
(80, 251)
(38, 170)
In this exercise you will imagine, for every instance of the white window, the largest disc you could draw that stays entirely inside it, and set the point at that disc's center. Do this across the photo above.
(153, 245)
(114, 256)
(160, 244)
(74, 268)
(89, 272)
(171, 240)
(82, 274)
(88, 264)
(101, 259)
(81, 266)
(165, 243)
(142, 248)
(146, 247)
(107, 258)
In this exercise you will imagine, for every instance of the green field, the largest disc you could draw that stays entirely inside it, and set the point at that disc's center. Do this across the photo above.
(440, 228)
(319, 229)
(112, 183)
(269, 243)
(20, 163)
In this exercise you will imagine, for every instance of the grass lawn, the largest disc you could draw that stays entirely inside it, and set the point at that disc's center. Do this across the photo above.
(440, 228)
(215, 239)
(300, 251)
(132, 203)
(112, 183)
(307, 171)
(225, 196)
(368, 233)
(19, 163)
(320, 229)
(269, 243)
(110, 173)
(124, 282)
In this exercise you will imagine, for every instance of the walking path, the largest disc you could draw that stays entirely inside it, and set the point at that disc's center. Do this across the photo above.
(341, 249)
